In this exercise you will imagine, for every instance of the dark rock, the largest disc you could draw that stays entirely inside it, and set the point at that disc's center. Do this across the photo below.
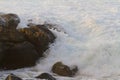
(64, 70)
(50, 35)
(45, 28)
(19, 55)
(46, 76)
(11, 36)
(38, 35)
(12, 77)
(2, 24)
(21, 48)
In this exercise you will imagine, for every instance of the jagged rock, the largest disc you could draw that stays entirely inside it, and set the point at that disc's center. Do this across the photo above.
(12, 77)
(64, 70)
(37, 34)
(46, 76)
(45, 30)
(21, 47)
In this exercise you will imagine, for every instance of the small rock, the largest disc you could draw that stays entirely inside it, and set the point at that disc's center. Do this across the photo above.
(64, 70)
(11, 20)
(46, 76)
(74, 69)
(12, 77)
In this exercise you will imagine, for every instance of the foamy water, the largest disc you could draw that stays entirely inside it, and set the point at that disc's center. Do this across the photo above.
(92, 41)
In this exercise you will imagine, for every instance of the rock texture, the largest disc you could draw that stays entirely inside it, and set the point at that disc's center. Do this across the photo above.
(46, 76)
(64, 70)
(12, 77)
(21, 47)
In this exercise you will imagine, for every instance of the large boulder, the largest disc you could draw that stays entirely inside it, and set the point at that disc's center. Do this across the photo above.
(21, 47)
(64, 70)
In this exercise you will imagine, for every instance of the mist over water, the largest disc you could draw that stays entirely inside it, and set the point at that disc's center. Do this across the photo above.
(91, 42)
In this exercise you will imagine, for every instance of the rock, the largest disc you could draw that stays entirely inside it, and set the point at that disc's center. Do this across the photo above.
(8, 24)
(74, 69)
(50, 35)
(11, 36)
(45, 28)
(46, 76)
(12, 77)
(19, 56)
(64, 70)
(10, 20)
(37, 34)
(21, 48)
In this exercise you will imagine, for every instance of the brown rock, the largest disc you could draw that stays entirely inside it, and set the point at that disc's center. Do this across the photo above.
(19, 55)
(10, 20)
(21, 47)
(12, 77)
(38, 35)
(63, 70)
(45, 28)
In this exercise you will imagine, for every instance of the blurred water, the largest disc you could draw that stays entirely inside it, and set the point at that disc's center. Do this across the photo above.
(92, 41)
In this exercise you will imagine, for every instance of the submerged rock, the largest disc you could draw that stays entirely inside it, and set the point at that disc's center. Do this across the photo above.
(12, 77)
(64, 70)
(46, 76)
(21, 47)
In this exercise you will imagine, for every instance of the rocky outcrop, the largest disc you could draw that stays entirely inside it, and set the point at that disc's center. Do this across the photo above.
(21, 47)
(39, 35)
(46, 76)
(12, 77)
(64, 70)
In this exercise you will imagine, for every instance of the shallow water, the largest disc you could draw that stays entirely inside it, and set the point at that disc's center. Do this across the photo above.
(91, 41)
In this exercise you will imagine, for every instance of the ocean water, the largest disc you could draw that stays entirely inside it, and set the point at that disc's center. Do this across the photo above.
(91, 39)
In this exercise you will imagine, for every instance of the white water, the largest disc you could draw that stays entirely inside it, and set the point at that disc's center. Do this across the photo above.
(92, 41)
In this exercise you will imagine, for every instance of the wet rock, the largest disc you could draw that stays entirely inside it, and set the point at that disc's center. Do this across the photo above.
(46, 76)
(8, 24)
(12, 77)
(19, 55)
(10, 20)
(38, 35)
(50, 35)
(21, 48)
(45, 29)
(64, 70)
(74, 69)
(11, 36)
